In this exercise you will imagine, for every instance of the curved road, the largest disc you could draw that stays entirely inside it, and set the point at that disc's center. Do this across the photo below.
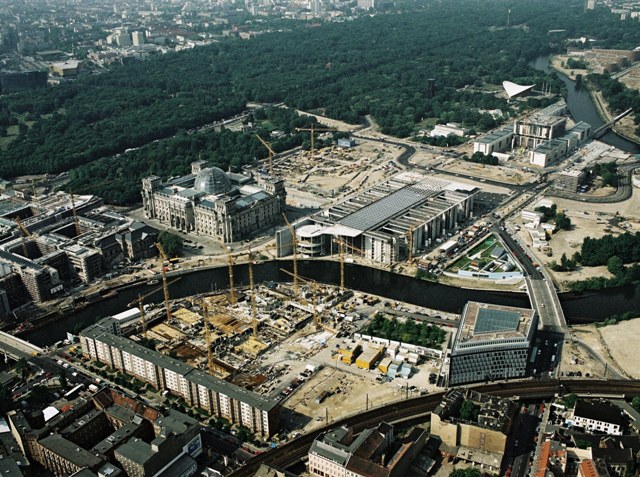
(292, 452)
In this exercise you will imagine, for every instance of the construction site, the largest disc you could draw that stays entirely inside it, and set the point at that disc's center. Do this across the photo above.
(300, 344)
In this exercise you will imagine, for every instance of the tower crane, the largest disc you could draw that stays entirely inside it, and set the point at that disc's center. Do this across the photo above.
(314, 296)
(312, 130)
(232, 291)
(212, 366)
(140, 303)
(271, 153)
(23, 234)
(165, 285)
(254, 313)
(294, 242)
(76, 221)
(342, 247)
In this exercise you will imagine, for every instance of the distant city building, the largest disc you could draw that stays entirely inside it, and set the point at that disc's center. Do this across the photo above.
(138, 38)
(65, 68)
(374, 452)
(448, 129)
(54, 255)
(492, 342)
(480, 440)
(209, 201)
(532, 130)
(496, 141)
(106, 432)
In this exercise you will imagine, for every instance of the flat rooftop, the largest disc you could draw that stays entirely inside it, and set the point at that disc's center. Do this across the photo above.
(483, 322)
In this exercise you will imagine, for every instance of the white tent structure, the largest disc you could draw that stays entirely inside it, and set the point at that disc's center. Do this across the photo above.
(514, 89)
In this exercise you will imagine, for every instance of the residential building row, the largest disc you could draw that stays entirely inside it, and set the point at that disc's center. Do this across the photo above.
(197, 388)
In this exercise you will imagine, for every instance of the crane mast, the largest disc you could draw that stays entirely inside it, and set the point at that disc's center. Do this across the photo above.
(165, 286)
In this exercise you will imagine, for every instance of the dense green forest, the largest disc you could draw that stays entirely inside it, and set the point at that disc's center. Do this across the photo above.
(120, 176)
(375, 65)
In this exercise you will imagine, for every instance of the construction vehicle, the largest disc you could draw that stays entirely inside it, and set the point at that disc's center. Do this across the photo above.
(165, 285)
(271, 153)
(313, 130)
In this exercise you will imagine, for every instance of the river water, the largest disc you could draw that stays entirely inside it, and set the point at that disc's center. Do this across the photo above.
(582, 108)
(583, 308)
(578, 309)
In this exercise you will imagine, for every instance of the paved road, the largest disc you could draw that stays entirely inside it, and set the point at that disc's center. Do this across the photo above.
(544, 299)
(622, 193)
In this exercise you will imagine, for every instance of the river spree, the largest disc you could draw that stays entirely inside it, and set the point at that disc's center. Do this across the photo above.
(578, 309)
(582, 108)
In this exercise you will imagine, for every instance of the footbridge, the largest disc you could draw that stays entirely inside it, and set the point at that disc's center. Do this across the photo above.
(605, 127)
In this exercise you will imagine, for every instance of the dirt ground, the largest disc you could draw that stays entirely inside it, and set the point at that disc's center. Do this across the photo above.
(621, 341)
(588, 220)
(498, 173)
(575, 356)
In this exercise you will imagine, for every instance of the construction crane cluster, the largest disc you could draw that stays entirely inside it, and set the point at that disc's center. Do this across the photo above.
(139, 302)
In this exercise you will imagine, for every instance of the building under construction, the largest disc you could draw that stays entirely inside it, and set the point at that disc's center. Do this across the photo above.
(386, 223)
(49, 242)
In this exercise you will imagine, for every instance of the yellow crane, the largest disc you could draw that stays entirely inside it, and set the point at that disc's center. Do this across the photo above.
(271, 153)
(24, 233)
(254, 313)
(342, 247)
(232, 291)
(294, 242)
(313, 130)
(76, 221)
(165, 285)
(213, 368)
(140, 303)
(314, 296)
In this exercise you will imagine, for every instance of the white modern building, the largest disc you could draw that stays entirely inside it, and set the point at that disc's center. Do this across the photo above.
(408, 210)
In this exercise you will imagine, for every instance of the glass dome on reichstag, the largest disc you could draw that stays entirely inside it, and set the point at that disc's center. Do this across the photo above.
(212, 180)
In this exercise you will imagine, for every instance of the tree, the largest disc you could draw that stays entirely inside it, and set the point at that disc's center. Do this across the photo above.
(563, 222)
(471, 472)
(614, 265)
(171, 243)
(570, 400)
(636, 403)
(469, 411)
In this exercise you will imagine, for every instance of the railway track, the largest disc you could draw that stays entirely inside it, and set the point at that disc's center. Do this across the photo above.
(294, 451)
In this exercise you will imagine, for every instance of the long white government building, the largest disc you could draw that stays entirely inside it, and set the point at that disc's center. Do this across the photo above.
(380, 220)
